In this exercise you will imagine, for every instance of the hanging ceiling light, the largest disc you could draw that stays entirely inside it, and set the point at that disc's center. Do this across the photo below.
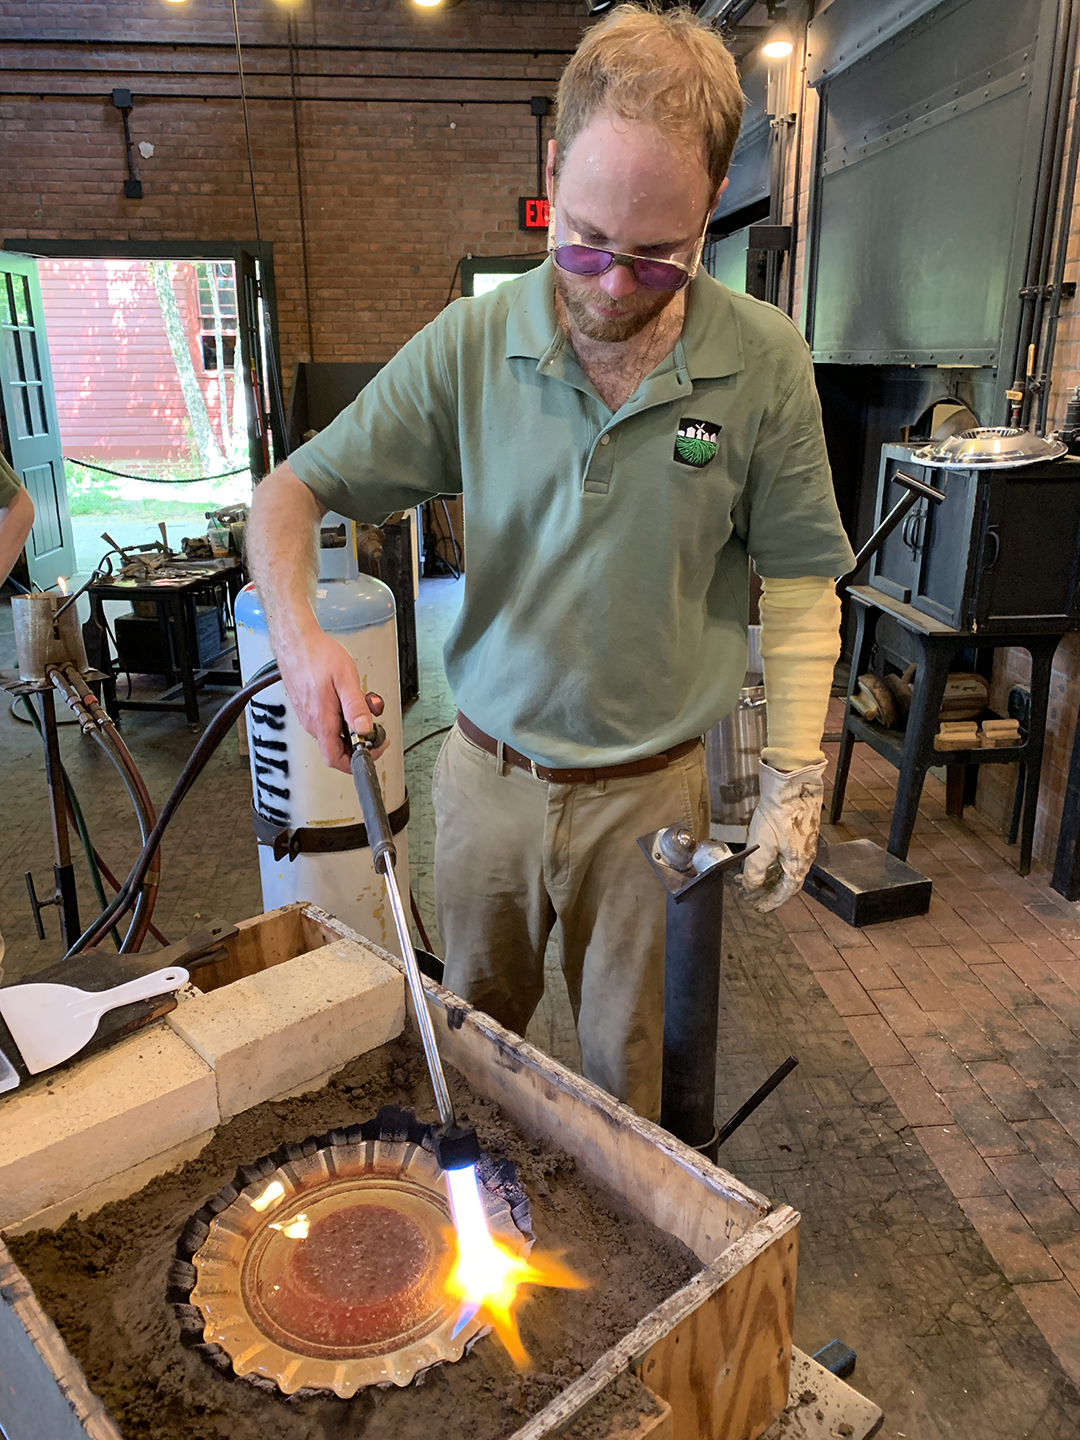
(436, 4)
(779, 43)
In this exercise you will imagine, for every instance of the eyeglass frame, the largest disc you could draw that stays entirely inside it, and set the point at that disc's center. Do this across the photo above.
(619, 257)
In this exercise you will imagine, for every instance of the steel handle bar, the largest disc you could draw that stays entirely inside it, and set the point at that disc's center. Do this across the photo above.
(383, 854)
(917, 490)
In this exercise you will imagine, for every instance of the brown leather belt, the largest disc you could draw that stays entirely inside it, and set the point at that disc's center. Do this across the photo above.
(575, 777)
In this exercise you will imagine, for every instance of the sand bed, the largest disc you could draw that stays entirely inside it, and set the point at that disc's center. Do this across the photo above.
(103, 1281)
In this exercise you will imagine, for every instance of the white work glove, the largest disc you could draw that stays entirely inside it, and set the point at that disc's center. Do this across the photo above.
(785, 828)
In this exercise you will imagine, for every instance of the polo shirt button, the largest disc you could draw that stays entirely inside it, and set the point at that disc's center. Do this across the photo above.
(604, 439)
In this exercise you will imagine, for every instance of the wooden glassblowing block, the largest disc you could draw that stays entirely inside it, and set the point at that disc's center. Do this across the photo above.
(865, 885)
(69, 1129)
(294, 1023)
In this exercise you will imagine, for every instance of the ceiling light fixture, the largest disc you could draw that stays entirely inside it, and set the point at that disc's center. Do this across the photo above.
(779, 43)
(436, 4)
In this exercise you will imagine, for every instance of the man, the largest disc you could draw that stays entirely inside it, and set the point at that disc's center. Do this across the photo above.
(624, 431)
(16, 518)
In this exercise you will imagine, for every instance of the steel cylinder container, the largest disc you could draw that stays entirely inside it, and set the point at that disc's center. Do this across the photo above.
(301, 804)
(732, 751)
(43, 638)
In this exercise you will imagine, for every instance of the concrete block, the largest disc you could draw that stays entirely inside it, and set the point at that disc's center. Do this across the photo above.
(293, 1024)
(68, 1131)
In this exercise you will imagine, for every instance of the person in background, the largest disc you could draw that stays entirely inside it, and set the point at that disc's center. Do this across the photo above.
(16, 518)
(627, 434)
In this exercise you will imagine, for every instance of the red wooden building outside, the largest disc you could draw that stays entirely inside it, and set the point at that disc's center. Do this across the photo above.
(118, 394)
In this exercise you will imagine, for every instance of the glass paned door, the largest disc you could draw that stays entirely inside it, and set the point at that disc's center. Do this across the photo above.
(28, 413)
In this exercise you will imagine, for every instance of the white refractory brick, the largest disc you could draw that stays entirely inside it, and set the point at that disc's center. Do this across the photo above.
(137, 1099)
(293, 1023)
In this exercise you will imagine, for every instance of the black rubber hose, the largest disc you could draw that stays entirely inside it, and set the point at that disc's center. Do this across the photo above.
(73, 687)
(210, 739)
(140, 919)
(78, 819)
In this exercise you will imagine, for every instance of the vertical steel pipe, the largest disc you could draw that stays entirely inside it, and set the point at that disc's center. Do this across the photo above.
(693, 937)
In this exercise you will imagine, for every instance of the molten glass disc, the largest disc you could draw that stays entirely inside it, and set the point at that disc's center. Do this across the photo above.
(327, 1271)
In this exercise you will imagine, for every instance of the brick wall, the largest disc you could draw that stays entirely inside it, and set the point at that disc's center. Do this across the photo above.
(392, 194)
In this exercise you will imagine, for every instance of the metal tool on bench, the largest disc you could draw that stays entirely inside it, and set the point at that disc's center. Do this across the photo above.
(456, 1146)
(916, 490)
(50, 1023)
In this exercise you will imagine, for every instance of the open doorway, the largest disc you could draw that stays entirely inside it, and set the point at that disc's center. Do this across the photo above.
(149, 394)
(159, 363)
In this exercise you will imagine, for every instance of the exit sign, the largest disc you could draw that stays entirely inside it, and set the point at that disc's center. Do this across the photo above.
(532, 213)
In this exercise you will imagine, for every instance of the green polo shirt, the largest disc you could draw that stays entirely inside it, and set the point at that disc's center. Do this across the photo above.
(9, 484)
(606, 592)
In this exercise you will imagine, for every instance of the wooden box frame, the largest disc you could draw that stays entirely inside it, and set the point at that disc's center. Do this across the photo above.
(717, 1353)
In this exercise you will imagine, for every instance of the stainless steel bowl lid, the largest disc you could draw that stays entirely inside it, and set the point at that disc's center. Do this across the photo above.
(991, 447)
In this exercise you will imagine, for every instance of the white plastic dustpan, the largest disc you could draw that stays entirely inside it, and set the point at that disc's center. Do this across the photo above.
(50, 1023)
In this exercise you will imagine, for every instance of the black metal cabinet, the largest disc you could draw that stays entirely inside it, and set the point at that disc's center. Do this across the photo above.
(1000, 551)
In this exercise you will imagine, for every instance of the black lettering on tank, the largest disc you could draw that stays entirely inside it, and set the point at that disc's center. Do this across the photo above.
(265, 763)
(272, 716)
(264, 788)
(275, 763)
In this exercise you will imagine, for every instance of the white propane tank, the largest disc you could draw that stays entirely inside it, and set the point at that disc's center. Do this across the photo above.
(293, 788)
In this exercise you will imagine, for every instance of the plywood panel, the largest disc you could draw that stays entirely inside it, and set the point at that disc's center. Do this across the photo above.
(724, 1369)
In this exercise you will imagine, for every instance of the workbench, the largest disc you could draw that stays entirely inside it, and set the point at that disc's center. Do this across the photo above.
(174, 598)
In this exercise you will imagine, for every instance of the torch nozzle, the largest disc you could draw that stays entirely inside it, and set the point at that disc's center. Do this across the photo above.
(456, 1146)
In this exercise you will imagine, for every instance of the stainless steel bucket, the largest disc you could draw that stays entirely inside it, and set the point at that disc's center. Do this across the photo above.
(732, 751)
(41, 639)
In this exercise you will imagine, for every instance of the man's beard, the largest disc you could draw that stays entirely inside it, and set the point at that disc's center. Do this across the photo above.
(613, 329)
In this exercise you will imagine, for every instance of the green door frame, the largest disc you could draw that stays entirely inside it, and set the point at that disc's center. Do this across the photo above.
(30, 424)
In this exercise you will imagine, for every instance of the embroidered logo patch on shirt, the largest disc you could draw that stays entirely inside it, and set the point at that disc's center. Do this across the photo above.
(696, 442)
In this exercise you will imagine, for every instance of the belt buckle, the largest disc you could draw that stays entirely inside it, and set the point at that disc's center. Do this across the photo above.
(533, 770)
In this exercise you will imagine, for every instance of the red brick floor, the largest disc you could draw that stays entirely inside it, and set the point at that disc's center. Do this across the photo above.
(970, 1016)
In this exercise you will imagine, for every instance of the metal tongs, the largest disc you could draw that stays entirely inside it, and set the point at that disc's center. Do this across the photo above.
(455, 1146)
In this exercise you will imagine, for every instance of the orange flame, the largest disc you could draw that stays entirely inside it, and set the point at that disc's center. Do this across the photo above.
(487, 1276)
(63, 584)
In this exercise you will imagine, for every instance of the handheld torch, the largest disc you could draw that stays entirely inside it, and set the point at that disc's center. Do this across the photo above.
(456, 1146)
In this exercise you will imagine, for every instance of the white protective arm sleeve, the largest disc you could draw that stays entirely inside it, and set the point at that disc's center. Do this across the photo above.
(800, 645)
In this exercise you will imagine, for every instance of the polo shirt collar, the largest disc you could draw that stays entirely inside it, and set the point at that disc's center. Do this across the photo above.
(531, 323)
(711, 340)
(710, 344)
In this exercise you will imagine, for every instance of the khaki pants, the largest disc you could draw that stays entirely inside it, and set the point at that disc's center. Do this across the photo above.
(515, 856)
